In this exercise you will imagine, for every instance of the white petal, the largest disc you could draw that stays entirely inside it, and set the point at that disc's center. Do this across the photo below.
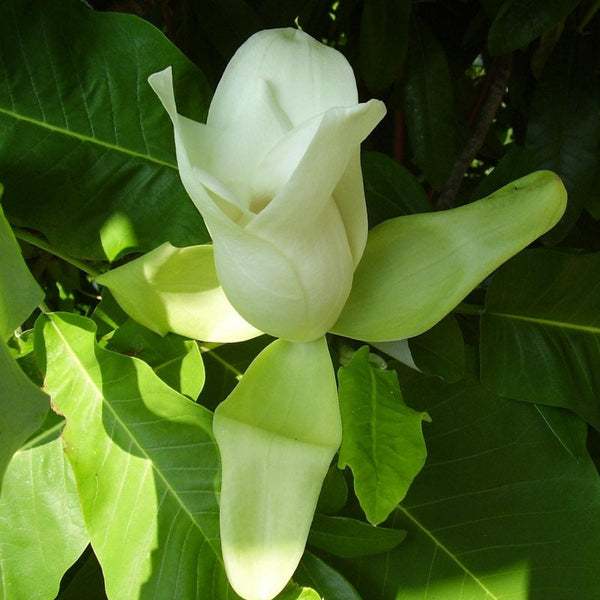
(305, 78)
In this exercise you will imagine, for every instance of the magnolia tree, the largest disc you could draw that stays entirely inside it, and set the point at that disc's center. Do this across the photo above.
(206, 320)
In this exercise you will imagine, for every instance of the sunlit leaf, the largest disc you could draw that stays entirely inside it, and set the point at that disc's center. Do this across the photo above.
(383, 443)
(41, 525)
(145, 463)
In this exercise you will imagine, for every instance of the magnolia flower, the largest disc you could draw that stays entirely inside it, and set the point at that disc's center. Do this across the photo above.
(275, 172)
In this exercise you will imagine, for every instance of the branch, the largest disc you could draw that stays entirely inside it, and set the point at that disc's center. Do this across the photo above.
(497, 86)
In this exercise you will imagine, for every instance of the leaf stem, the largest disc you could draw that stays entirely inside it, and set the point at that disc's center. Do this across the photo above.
(34, 240)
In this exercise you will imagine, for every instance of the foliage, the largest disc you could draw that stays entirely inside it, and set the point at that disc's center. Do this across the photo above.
(475, 443)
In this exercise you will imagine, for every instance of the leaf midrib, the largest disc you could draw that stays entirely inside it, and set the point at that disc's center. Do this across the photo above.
(448, 553)
(86, 138)
(545, 322)
(142, 451)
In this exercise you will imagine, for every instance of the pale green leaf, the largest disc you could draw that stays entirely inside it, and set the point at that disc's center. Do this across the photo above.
(277, 433)
(417, 268)
(383, 443)
(145, 463)
(41, 524)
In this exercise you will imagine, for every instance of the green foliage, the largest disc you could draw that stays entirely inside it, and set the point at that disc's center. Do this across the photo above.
(110, 476)
(383, 443)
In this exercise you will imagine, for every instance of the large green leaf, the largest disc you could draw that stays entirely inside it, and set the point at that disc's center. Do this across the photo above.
(428, 105)
(19, 293)
(564, 128)
(519, 22)
(41, 525)
(85, 151)
(540, 333)
(500, 510)
(22, 404)
(145, 463)
(383, 443)
(383, 41)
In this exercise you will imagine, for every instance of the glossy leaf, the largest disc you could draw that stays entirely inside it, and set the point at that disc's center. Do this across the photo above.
(540, 334)
(350, 538)
(22, 405)
(19, 293)
(145, 463)
(177, 289)
(383, 443)
(383, 41)
(564, 129)
(277, 433)
(176, 360)
(500, 510)
(519, 22)
(391, 190)
(68, 91)
(325, 579)
(428, 105)
(417, 268)
(41, 524)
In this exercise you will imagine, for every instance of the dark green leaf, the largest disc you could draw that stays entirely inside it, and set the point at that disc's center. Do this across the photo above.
(440, 350)
(86, 582)
(350, 538)
(540, 334)
(19, 293)
(500, 510)
(519, 22)
(428, 105)
(383, 41)
(323, 578)
(517, 162)
(225, 364)
(382, 442)
(86, 151)
(564, 127)
(176, 360)
(390, 189)
(334, 493)
(568, 428)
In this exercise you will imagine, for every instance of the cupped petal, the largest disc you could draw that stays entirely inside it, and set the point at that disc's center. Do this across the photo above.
(305, 78)
(417, 268)
(277, 433)
(177, 289)
(293, 283)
